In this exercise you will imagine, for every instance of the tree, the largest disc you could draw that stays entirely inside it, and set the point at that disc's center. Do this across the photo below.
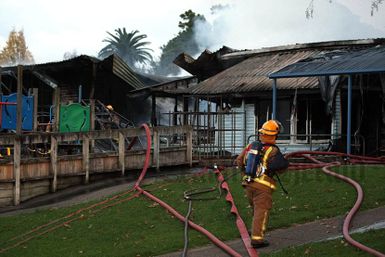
(373, 7)
(188, 19)
(183, 42)
(16, 51)
(128, 46)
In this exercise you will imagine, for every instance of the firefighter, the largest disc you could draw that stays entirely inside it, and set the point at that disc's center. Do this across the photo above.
(260, 161)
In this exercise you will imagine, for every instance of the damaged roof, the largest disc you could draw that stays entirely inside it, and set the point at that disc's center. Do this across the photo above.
(174, 86)
(251, 75)
(371, 60)
(207, 64)
(111, 67)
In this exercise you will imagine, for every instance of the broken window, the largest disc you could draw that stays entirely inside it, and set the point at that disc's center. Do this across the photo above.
(312, 119)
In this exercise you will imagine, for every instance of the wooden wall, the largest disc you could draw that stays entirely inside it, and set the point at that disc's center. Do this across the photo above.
(24, 178)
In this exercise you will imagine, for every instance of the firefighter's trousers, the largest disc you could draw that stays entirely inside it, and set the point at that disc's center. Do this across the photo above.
(260, 198)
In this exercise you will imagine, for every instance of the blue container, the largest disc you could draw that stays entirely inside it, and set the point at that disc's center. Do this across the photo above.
(8, 114)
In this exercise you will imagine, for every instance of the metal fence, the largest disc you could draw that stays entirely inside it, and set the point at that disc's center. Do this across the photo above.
(317, 142)
(224, 134)
(215, 134)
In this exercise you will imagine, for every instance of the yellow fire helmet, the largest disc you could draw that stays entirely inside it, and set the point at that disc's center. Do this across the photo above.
(271, 128)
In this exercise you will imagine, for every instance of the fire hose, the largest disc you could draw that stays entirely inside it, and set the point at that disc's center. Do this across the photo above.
(222, 184)
(242, 227)
(53, 225)
(193, 225)
(325, 168)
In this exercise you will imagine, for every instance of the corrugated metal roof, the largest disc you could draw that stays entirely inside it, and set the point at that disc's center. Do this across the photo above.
(123, 71)
(325, 45)
(112, 64)
(252, 74)
(371, 60)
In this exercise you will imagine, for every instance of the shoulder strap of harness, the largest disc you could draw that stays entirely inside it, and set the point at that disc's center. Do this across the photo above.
(266, 155)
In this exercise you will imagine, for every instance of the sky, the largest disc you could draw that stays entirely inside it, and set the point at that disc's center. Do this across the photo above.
(52, 28)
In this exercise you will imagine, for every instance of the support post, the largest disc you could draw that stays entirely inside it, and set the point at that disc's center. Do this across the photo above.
(16, 169)
(93, 80)
(185, 110)
(1, 86)
(19, 107)
(54, 163)
(122, 148)
(273, 114)
(175, 112)
(92, 121)
(244, 122)
(156, 149)
(55, 128)
(17, 142)
(189, 136)
(153, 111)
(293, 120)
(349, 121)
(35, 93)
(86, 158)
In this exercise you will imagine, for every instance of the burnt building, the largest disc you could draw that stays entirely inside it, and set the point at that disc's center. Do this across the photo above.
(238, 99)
(79, 79)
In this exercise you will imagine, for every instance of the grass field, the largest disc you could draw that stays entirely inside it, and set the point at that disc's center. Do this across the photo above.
(141, 228)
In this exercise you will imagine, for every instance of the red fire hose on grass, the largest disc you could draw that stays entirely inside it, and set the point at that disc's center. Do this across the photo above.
(360, 194)
(242, 227)
(239, 222)
(198, 228)
(54, 224)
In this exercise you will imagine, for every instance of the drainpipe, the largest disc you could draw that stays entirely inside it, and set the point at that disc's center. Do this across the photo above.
(273, 115)
(349, 121)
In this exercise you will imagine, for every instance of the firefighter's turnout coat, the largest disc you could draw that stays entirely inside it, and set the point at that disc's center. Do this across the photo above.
(259, 188)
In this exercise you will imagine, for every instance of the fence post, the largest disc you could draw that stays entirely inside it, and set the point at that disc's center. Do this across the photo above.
(86, 158)
(54, 163)
(19, 106)
(156, 148)
(122, 148)
(16, 169)
(189, 136)
(17, 142)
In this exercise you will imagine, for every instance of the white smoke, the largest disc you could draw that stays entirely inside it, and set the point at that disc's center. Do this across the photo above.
(250, 24)
(2, 42)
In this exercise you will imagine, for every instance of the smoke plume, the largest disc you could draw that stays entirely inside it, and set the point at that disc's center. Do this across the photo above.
(250, 24)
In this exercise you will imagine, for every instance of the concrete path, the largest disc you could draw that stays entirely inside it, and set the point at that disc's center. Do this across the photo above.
(299, 234)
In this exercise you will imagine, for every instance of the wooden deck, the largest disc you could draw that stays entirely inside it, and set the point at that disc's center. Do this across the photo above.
(24, 177)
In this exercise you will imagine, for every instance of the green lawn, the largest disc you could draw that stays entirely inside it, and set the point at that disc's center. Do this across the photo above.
(336, 248)
(141, 228)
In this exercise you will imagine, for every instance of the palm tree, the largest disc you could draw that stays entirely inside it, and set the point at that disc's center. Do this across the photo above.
(128, 46)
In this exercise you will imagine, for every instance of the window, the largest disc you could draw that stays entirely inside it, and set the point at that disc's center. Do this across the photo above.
(264, 111)
(312, 118)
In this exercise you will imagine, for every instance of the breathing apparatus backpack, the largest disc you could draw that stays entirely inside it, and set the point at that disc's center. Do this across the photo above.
(253, 161)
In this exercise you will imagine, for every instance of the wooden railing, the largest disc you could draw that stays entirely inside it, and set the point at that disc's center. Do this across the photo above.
(23, 168)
